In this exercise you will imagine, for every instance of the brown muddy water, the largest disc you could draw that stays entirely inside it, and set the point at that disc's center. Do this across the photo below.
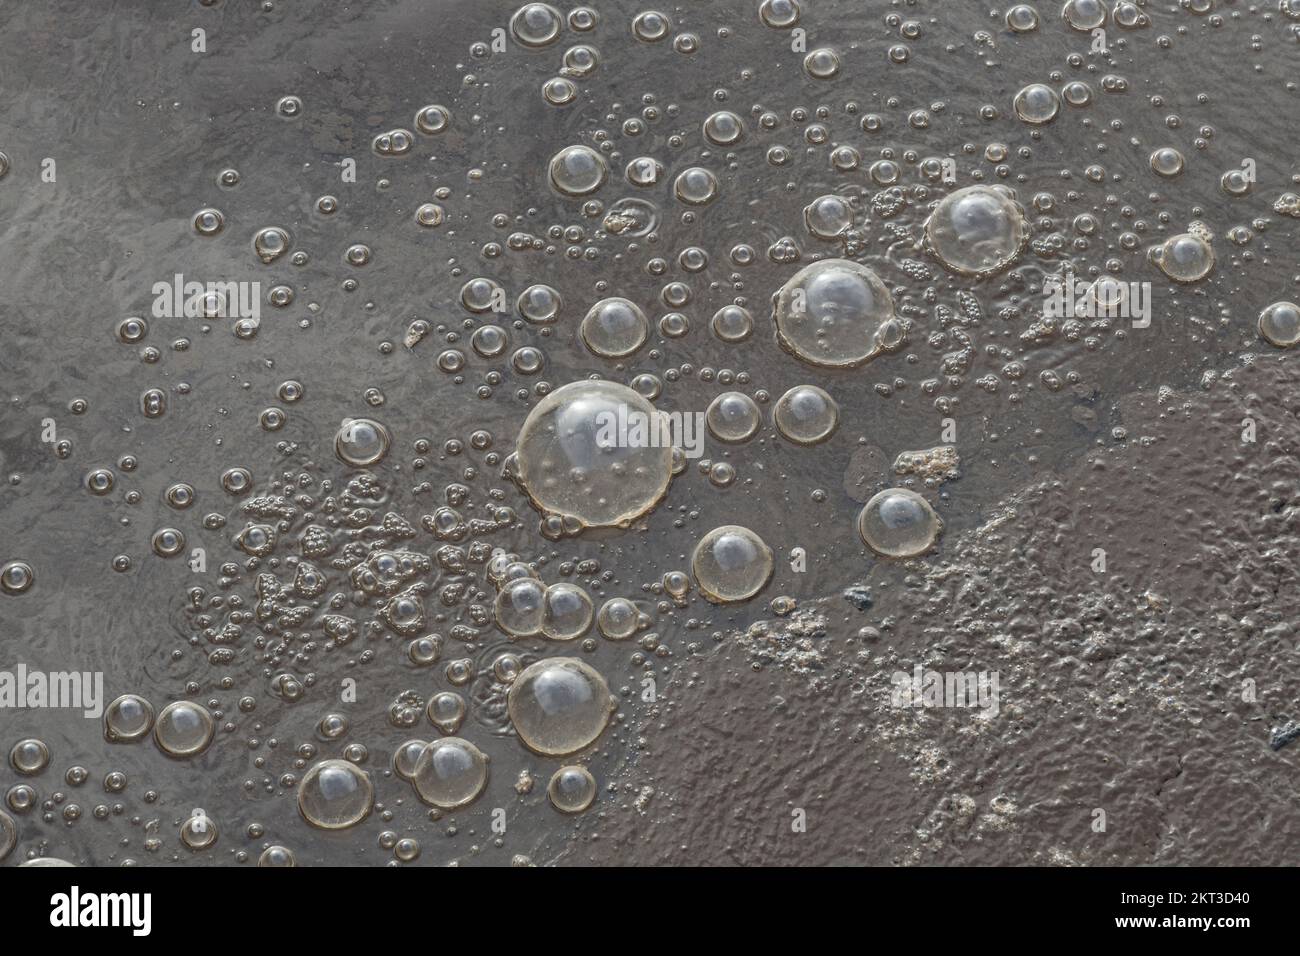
(301, 382)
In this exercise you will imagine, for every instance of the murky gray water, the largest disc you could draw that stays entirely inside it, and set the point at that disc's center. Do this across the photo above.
(1122, 690)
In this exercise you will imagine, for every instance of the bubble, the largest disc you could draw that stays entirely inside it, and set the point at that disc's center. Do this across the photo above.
(29, 756)
(288, 106)
(806, 415)
(731, 563)
(1184, 258)
(8, 834)
(1037, 104)
(335, 795)
(570, 461)
(618, 619)
(644, 171)
(828, 217)
(779, 14)
(833, 313)
(168, 542)
(271, 243)
(127, 718)
(583, 19)
(559, 91)
(539, 304)
(899, 523)
(614, 328)
(395, 142)
(578, 171)
(674, 325)
(1167, 161)
(1235, 182)
(559, 705)
(1077, 93)
(357, 254)
(132, 330)
(361, 442)
(976, 231)
(209, 222)
(4, 164)
(450, 773)
(183, 729)
(695, 186)
(732, 323)
(733, 417)
(277, 856)
(446, 711)
(650, 26)
(723, 128)
(822, 63)
(406, 756)
(1022, 18)
(536, 25)
(432, 119)
(1084, 15)
(520, 607)
(16, 577)
(489, 341)
(567, 612)
(572, 789)
(429, 214)
(1279, 324)
(199, 831)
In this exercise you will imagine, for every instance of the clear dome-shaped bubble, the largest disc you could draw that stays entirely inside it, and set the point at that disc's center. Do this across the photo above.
(723, 128)
(559, 705)
(831, 313)
(335, 795)
(976, 231)
(128, 718)
(614, 328)
(733, 417)
(578, 171)
(446, 711)
(591, 451)
(1084, 15)
(828, 216)
(618, 619)
(731, 563)
(520, 607)
(732, 323)
(1184, 258)
(29, 756)
(406, 756)
(695, 186)
(450, 773)
(1037, 104)
(184, 729)
(806, 415)
(1279, 324)
(567, 613)
(572, 789)
(276, 856)
(536, 24)
(361, 442)
(899, 523)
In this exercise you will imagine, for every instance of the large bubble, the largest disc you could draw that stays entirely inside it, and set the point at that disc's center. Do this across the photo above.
(335, 794)
(731, 563)
(593, 451)
(977, 231)
(899, 523)
(835, 313)
(450, 773)
(559, 705)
